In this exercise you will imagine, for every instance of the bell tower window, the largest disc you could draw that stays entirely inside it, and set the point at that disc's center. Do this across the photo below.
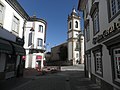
(70, 25)
(76, 24)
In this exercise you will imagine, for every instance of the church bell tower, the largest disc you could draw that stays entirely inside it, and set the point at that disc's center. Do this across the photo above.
(73, 31)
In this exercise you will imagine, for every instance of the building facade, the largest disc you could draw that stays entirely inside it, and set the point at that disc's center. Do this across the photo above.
(35, 39)
(102, 41)
(57, 51)
(12, 20)
(75, 38)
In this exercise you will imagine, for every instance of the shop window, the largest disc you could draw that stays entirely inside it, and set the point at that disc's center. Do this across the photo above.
(15, 25)
(113, 46)
(1, 14)
(113, 9)
(117, 63)
(98, 60)
(10, 64)
(40, 28)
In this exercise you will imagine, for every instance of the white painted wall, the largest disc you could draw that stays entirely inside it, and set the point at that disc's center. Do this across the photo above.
(104, 25)
(31, 58)
(69, 50)
(8, 17)
(82, 49)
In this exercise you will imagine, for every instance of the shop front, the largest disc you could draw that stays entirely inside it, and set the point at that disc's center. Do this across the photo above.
(6, 52)
(10, 59)
(38, 62)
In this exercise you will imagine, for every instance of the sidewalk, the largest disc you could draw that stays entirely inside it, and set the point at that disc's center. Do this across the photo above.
(11, 83)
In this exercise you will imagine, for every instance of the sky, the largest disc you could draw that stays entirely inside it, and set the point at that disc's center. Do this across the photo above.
(55, 13)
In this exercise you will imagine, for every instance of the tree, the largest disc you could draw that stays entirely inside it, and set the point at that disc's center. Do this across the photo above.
(63, 54)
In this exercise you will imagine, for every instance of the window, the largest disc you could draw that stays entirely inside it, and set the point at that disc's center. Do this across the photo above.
(70, 25)
(114, 51)
(88, 32)
(97, 52)
(77, 46)
(114, 8)
(1, 14)
(96, 22)
(15, 25)
(76, 24)
(30, 39)
(116, 54)
(98, 62)
(41, 28)
(40, 42)
(77, 55)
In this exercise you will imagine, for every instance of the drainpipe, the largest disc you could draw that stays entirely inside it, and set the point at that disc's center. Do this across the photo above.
(23, 38)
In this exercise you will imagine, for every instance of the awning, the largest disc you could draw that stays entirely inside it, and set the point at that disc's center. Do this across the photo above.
(18, 49)
(5, 47)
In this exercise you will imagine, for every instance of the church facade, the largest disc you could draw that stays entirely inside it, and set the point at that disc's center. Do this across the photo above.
(75, 39)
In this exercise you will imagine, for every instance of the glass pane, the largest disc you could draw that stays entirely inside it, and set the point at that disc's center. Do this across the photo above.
(113, 6)
(118, 3)
(117, 63)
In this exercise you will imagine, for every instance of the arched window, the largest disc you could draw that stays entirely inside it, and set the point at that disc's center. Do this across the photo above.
(76, 24)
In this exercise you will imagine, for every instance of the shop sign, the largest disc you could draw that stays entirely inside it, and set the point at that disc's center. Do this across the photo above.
(106, 33)
(38, 57)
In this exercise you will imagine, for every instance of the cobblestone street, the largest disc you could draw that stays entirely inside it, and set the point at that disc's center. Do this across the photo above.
(63, 80)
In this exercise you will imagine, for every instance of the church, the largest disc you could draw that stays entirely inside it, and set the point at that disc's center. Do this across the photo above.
(75, 39)
(74, 43)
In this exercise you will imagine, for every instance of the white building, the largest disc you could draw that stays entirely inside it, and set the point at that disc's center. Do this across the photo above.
(35, 38)
(75, 39)
(12, 18)
(102, 41)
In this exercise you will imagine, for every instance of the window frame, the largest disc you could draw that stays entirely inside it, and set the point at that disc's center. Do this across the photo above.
(113, 44)
(88, 32)
(110, 16)
(2, 21)
(70, 25)
(40, 28)
(76, 24)
(15, 22)
(96, 28)
(98, 49)
(39, 42)
(30, 39)
(115, 80)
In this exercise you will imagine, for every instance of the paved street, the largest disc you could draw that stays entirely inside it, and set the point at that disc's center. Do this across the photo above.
(64, 80)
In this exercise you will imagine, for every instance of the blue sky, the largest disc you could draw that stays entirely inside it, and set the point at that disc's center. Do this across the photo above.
(55, 12)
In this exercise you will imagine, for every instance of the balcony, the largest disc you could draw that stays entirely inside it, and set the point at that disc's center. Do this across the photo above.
(37, 49)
